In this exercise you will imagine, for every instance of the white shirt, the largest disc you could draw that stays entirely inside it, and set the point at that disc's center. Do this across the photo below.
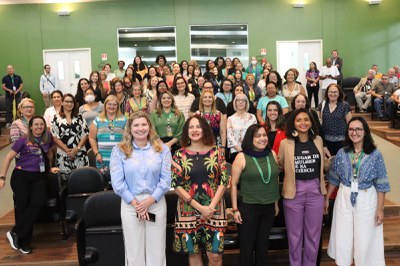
(326, 71)
(48, 83)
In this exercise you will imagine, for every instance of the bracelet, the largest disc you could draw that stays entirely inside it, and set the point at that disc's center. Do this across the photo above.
(235, 210)
(97, 154)
(3, 177)
(189, 200)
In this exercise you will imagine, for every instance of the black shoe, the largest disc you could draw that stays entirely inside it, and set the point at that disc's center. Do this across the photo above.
(365, 110)
(13, 238)
(382, 118)
(25, 250)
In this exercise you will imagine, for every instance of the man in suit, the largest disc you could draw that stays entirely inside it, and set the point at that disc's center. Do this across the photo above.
(338, 62)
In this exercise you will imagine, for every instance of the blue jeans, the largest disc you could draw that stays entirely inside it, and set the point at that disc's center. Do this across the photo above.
(387, 111)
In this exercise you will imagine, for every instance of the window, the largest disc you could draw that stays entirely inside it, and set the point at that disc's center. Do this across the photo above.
(210, 41)
(148, 43)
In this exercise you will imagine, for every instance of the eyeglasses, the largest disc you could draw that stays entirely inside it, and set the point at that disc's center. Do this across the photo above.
(27, 107)
(357, 130)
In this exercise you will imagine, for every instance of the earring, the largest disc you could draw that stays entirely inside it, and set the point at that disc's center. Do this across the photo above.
(295, 133)
(312, 132)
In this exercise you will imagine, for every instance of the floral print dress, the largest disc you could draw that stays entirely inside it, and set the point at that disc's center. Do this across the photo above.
(214, 121)
(200, 174)
(70, 135)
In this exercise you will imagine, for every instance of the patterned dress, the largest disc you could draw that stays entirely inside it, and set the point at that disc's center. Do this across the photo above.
(214, 121)
(200, 174)
(70, 135)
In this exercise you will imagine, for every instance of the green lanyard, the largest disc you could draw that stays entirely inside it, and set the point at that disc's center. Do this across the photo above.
(168, 117)
(138, 104)
(356, 165)
(261, 172)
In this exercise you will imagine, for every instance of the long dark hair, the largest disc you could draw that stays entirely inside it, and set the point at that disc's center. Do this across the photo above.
(175, 89)
(280, 121)
(368, 142)
(75, 111)
(141, 65)
(79, 96)
(290, 128)
(279, 81)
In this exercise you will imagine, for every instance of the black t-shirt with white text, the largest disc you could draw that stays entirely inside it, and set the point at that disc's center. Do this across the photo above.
(307, 161)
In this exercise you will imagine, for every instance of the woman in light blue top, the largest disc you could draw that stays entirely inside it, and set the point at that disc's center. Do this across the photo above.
(140, 168)
(360, 173)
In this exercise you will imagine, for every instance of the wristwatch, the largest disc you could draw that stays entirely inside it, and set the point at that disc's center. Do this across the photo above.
(3, 177)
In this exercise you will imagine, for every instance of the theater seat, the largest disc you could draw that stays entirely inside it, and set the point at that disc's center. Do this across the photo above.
(81, 183)
(99, 235)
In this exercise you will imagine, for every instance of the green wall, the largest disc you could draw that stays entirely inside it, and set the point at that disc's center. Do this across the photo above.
(363, 34)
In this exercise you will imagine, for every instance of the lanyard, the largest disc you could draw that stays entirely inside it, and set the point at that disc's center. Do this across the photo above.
(138, 104)
(169, 116)
(356, 165)
(261, 172)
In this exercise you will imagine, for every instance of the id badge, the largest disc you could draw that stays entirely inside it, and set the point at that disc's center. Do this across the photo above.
(112, 137)
(354, 186)
(169, 131)
(42, 167)
(14, 88)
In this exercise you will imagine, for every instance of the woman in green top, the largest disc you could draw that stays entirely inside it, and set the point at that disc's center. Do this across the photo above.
(168, 121)
(257, 170)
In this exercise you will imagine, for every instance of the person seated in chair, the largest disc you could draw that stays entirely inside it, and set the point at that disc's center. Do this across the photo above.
(363, 91)
(382, 92)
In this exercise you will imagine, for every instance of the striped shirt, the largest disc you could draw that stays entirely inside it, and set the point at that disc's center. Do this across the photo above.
(109, 134)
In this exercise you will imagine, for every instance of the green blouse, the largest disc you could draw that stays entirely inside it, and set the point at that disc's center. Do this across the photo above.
(168, 122)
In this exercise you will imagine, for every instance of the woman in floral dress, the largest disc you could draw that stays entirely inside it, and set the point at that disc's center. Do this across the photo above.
(199, 177)
(70, 133)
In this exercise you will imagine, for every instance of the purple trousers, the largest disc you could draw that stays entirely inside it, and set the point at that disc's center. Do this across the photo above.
(303, 215)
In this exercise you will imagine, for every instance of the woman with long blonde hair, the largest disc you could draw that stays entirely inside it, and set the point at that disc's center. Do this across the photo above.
(140, 167)
(216, 119)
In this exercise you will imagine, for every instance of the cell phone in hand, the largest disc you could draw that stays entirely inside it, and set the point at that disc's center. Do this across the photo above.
(152, 217)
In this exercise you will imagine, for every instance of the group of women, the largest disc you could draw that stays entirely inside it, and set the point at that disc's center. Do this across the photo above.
(168, 138)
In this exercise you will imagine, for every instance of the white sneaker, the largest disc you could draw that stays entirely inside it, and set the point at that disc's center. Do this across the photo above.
(8, 125)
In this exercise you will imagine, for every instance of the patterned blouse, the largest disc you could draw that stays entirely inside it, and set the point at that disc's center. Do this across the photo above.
(70, 135)
(334, 123)
(372, 171)
(132, 105)
(214, 121)
(237, 127)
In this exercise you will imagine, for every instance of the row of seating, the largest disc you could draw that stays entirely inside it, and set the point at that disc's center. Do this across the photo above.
(100, 238)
